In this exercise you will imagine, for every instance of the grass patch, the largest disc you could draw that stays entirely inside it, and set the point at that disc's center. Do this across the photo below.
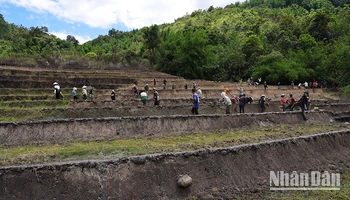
(131, 147)
(7, 119)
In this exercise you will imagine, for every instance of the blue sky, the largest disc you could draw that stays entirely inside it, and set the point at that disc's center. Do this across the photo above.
(86, 19)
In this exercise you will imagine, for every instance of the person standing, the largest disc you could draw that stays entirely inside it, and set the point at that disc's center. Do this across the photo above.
(146, 87)
(199, 92)
(57, 90)
(234, 101)
(196, 103)
(113, 96)
(242, 101)
(283, 102)
(156, 97)
(74, 93)
(84, 93)
(164, 84)
(227, 102)
(314, 86)
(154, 82)
(265, 85)
(241, 91)
(262, 102)
(134, 89)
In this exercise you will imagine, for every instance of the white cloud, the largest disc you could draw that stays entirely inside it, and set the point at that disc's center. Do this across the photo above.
(106, 13)
(63, 35)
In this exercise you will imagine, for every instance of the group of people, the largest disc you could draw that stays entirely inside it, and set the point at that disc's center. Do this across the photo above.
(85, 93)
(225, 99)
(143, 94)
(290, 103)
(241, 101)
(58, 93)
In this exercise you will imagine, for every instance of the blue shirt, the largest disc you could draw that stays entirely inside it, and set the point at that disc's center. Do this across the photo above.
(195, 100)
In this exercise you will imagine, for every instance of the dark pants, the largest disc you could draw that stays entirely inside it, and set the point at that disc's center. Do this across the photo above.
(289, 107)
(228, 109)
(75, 97)
(262, 109)
(58, 94)
(194, 111)
(284, 108)
(241, 108)
(156, 103)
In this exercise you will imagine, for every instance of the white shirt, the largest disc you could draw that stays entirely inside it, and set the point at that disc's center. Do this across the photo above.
(57, 87)
(227, 99)
(143, 94)
(199, 92)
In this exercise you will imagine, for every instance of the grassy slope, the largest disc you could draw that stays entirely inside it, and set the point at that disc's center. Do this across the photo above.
(130, 147)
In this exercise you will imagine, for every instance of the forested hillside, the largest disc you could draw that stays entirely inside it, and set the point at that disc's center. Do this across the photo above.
(276, 40)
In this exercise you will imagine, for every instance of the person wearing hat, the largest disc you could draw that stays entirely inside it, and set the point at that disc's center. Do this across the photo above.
(113, 96)
(156, 97)
(283, 102)
(262, 102)
(227, 102)
(146, 87)
(199, 92)
(74, 93)
(84, 93)
(57, 90)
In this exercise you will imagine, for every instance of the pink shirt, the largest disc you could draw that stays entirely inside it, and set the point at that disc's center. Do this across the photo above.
(283, 101)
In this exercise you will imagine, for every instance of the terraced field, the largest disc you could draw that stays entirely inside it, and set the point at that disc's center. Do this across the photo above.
(65, 137)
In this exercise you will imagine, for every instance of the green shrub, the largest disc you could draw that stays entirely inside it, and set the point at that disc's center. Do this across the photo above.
(346, 91)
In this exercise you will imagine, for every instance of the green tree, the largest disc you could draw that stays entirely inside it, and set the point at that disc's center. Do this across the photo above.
(4, 28)
(252, 48)
(151, 41)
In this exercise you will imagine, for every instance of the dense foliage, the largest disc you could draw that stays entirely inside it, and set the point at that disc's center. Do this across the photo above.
(270, 39)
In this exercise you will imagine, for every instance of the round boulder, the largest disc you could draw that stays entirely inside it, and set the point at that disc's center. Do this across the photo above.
(184, 181)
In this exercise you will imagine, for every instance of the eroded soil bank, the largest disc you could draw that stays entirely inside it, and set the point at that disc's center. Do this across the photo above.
(90, 129)
(217, 173)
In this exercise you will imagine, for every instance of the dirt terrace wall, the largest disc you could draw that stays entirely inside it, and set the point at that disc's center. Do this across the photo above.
(216, 173)
(69, 130)
(120, 111)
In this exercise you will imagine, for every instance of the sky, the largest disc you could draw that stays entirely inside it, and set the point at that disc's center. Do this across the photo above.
(87, 19)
